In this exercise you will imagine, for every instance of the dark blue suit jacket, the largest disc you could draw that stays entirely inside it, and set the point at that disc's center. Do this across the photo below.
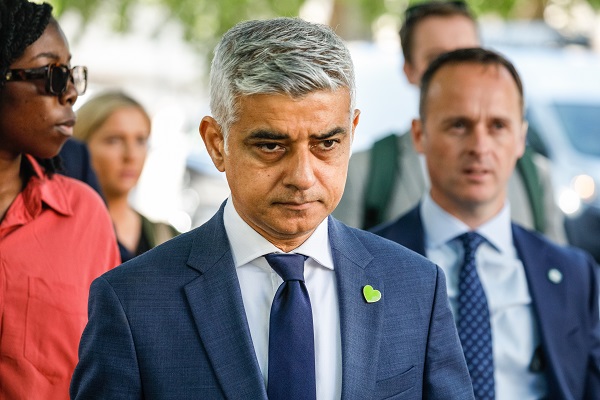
(76, 163)
(567, 312)
(170, 324)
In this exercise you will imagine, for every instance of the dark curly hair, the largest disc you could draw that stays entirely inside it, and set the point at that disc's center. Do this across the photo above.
(21, 24)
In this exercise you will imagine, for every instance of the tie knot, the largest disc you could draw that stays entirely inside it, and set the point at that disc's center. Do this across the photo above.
(471, 241)
(290, 267)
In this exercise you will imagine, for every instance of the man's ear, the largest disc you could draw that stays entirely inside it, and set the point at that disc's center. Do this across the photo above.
(411, 74)
(418, 136)
(355, 120)
(213, 139)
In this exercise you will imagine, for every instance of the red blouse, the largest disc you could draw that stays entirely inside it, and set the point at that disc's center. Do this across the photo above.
(55, 238)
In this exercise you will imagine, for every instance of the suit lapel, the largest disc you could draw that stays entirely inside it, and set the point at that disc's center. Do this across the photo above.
(361, 322)
(547, 297)
(217, 308)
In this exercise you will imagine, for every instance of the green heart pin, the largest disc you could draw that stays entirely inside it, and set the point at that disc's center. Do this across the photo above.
(371, 295)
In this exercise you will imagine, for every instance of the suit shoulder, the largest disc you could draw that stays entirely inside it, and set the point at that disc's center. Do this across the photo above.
(386, 251)
(560, 254)
(402, 229)
(80, 192)
(168, 258)
(386, 228)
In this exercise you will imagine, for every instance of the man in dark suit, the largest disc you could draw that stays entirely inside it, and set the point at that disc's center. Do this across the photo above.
(206, 315)
(526, 309)
(388, 180)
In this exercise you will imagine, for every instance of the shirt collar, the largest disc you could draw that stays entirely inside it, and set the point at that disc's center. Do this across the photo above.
(441, 227)
(247, 245)
(39, 190)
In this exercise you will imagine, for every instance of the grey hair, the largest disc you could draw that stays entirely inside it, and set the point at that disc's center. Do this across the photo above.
(276, 56)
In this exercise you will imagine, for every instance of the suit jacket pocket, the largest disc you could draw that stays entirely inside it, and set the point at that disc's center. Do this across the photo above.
(391, 388)
(56, 316)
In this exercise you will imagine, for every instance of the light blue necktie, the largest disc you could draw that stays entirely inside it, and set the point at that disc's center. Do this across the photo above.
(291, 335)
(473, 323)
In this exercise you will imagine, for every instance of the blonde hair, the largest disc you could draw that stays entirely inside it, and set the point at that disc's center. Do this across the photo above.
(98, 109)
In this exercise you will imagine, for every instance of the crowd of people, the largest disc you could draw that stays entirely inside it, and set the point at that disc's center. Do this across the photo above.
(431, 266)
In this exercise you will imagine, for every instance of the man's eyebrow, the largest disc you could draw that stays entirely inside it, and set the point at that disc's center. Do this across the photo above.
(324, 136)
(267, 135)
(454, 118)
(273, 135)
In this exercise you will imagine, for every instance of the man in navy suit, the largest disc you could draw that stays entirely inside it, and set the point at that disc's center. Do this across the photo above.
(190, 319)
(542, 307)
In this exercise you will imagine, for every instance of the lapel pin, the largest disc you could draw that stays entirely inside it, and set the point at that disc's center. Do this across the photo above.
(371, 295)
(555, 275)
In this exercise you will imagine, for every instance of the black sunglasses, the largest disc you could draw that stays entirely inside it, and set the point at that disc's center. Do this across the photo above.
(57, 77)
(419, 8)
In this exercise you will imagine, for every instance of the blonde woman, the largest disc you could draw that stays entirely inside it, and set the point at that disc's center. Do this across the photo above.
(116, 128)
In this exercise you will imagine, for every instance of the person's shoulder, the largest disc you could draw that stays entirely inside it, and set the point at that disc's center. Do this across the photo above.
(387, 252)
(77, 199)
(79, 193)
(542, 257)
(386, 228)
(396, 228)
(392, 264)
(160, 231)
(168, 258)
(166, 226)
(560, 254)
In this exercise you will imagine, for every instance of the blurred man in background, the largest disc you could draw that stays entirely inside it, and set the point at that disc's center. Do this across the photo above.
(389, 179)
(526, 309)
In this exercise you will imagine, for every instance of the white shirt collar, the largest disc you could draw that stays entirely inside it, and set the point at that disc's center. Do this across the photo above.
(441, 227)
(248, 245)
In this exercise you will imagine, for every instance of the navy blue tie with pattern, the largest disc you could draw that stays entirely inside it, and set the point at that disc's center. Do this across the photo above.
(291, 335)
(473, 322)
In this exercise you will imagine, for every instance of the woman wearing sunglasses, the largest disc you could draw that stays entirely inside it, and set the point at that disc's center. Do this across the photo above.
(55, 233)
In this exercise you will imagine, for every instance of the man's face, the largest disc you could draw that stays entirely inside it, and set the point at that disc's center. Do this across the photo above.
(472, 136)
(286, 161)
(437, 35)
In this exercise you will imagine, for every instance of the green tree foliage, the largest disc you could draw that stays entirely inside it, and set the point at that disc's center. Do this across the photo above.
(204, 21)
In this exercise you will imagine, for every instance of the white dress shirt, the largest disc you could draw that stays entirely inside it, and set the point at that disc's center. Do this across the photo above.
(515, 332)
(258, 283)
